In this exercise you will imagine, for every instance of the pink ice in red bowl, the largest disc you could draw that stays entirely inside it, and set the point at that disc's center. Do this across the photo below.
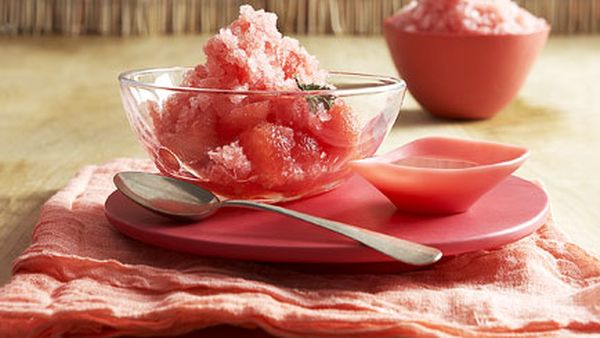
(440, 175)
(464, 59)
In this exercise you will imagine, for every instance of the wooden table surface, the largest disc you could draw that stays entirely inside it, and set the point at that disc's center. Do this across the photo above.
(60, 109)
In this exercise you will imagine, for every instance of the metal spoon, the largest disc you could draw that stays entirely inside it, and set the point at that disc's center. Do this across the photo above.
(179, 199)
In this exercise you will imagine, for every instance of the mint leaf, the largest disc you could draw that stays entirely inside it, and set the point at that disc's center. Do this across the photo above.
(316, 101)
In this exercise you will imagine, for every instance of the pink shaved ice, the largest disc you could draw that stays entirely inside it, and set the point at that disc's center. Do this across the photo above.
(467, 17)
(255, 144)
(251, 54)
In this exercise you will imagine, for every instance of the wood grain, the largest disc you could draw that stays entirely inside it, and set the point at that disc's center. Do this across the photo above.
(60, 109)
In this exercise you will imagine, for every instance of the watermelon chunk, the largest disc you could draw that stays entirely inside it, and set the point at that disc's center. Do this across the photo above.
(339, 133)
(241, 118)
(309, 154)
(185, 127)
(269, 147)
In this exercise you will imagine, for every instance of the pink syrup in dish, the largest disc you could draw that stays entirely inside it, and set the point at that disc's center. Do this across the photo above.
(467, 17)
(255, 144)
(434, 162)
(440, 175)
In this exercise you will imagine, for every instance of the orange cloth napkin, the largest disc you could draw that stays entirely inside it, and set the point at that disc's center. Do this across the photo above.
(81, 278)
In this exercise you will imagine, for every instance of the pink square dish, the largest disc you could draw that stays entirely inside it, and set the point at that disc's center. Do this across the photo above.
(440, 175)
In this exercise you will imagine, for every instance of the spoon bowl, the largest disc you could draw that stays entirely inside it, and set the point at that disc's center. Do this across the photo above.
(181, 200)
(167, 196)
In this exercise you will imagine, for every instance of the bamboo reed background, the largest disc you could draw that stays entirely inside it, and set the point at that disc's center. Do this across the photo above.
(152, 17)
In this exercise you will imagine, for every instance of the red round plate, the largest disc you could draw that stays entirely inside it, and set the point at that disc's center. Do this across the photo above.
(512, 210)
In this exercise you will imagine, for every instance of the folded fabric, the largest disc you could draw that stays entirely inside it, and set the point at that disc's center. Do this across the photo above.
(82, 278)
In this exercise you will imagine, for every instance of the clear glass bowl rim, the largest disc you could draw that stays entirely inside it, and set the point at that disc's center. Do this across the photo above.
(388, 84)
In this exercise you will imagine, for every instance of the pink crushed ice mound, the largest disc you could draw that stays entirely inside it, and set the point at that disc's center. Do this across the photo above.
(467, 17)
(254, 144)
(252, 54)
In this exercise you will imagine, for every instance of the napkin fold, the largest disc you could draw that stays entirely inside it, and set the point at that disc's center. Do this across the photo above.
(82, 278)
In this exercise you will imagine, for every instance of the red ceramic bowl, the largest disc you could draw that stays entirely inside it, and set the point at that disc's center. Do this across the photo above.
(440, 175)
(463, 76)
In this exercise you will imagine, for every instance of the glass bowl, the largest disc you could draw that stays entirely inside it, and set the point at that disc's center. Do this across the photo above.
(269, 146)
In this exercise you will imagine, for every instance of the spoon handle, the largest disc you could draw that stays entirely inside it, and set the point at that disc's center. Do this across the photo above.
(399, 249)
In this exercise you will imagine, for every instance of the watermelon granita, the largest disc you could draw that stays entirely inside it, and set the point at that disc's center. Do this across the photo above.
(467, 17)
(263, 140)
